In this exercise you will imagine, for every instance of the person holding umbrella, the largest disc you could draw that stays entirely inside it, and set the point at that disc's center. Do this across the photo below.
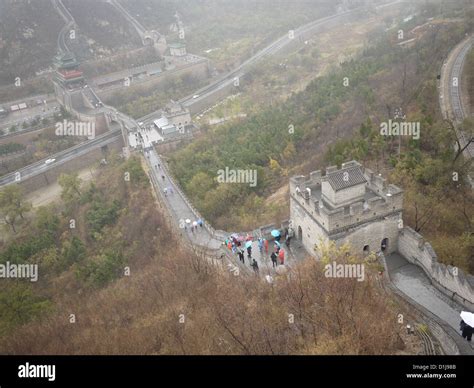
(248, 245)
(277, 246)
(276, 234)
(467, 325)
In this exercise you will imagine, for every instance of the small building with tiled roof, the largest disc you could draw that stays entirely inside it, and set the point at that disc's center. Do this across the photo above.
(177, 49)
(344, 185)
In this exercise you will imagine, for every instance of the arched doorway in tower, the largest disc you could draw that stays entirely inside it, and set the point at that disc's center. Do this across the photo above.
(384, 245)
(300, 234)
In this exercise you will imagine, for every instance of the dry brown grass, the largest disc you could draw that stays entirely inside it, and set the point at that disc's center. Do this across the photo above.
(222, 314)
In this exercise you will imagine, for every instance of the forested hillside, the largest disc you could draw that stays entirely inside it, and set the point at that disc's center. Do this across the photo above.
(115, 280)
(28, 30)
(292, 138)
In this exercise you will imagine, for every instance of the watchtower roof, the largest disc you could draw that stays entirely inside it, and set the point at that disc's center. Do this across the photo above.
(346, 177)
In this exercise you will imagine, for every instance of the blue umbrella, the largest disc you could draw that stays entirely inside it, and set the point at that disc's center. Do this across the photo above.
(199, 222)
(248, 244)
(275, 233)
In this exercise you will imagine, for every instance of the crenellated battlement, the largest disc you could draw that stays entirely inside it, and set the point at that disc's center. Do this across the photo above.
(353, 205)
(451, 280)
(362, 197)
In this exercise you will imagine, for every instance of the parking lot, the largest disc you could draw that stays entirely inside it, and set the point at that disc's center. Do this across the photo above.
(33, 112)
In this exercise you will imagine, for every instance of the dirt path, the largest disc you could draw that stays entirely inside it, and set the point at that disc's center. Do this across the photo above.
(52, 192)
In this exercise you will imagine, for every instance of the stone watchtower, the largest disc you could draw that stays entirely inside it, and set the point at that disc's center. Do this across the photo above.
(350, 205)
(67, 77)
(73, 93)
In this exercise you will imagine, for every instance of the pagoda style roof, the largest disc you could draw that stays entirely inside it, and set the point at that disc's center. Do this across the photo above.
(65, 60)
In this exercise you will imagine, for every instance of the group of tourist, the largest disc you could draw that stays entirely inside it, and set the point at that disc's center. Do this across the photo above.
(194, 226)
(239, 244)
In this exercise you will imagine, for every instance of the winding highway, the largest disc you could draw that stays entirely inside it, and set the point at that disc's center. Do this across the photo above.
(271, 49)
(68, 19)
(60, 158)
(213, 87)
(450, 99)
(456, 73)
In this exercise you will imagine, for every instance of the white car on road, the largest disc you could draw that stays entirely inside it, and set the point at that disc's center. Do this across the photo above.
(49, 161)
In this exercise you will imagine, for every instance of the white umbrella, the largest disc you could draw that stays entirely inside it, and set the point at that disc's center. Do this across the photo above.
(468, 318)
(188, 221)
(195, 223)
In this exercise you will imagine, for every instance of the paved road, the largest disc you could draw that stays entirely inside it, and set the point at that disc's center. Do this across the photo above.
(450, 98)
(215, 86)
(271, 49)
(61, 157)
(68, 19)
(78, 150)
